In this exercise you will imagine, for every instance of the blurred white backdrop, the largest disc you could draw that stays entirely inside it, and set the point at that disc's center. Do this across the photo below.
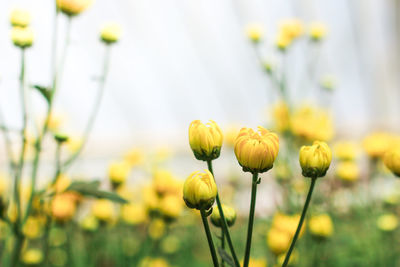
(183, 60)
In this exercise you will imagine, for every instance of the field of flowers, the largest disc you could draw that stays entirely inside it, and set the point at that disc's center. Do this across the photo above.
(295, 191)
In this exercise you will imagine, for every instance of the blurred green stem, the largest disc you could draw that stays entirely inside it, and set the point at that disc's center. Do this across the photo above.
(222, 246)
(95, 110)
(251, 219)
(303, 215)
(224, 223)
(209, 237)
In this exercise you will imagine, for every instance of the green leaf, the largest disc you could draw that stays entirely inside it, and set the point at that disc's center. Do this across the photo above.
(91, 189)
(44, 91)
(226, 257)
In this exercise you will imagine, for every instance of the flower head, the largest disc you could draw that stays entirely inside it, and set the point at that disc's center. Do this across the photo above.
(315, 160)
(317, 31)
(200, 190)
(205, 140)
(392, 160)
(110, 32)
(256, 151)
(254, 32)
(321, 226)
(20, 17)
(22, 37)
(387, 222)
(73, 7)
(348, 171)
(229, 213)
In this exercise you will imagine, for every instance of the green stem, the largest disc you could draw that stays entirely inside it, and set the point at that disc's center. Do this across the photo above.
(303, 215)
(15, 256)
(95, 110)
(222, 246)
(209, 238)
(224, 225)
(251, 219)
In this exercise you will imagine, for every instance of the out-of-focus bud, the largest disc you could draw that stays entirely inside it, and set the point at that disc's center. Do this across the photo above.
(321, 226)
(292, 261)
(376, 144)
(110, 32)
(392, 160)
(278, 241)
(32, 257)
(89, 223)
(73, 7)
(22, 37)
(348, 171)
(282, 42)
(103, 210)
(229, 213)
(328, 82)
(156, 229)
(171, 207)
(200, 190)
(254, 32)
(63, 207)
(118, 172)
(256, 151)
(32, 228)
(20, 17)
(61, 137)
(205, 140)
(315, 160)
(256, 262)
(318, 31)
(345, 150)
(387, 222)
(133, 213)
(292, 28)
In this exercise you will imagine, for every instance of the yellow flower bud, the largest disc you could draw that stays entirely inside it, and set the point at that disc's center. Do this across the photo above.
(89, 223)
(321, 226)
(345, 150)
(200, 190)
(317, 31)
(292, 28)
(348, 171)
(110, 32)
(229, 213)
(118, 172)
(278, 241)
(205, 140)
(171, 206)
(282, 42)
(315, 160)
(254, 32)
(256, 151)
(73, 7)
(20, 17)
(376, 144)
(392, 160)
(63, 207)
(32, 228)
(387, 222)
(103, 210)
(133, 213)
(156, 229)
(32, 256)
(22, 37)
(256, 263)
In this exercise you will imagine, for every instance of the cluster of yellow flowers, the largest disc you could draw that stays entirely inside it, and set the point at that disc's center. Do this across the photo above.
(21, 33)
(347, 169)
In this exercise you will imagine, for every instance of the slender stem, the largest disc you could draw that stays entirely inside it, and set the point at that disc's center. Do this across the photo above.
(222, 246)
(224, 225)
(209, 238)
(303, 215)
(251, 219)
(95, 110)
(17, 250)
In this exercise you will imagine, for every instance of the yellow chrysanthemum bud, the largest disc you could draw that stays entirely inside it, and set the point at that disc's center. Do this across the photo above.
(281, 116)
(321, 226)
(32, 228)
(133, 213)
(134, 157)
(283, 41)
(387, 222)
(200, 190)
(103, 210)
(73, 7)
(229, 213)
(254, 32)
(22, 37)
(63, 207)
(32, 256)
(256, 151)
(345, 150)
(256, 262)
(377, 144)
(205, 140)
(278, 241)
(318, 31)
(157, 229)
(171, 206)
(315, 160)
(110, 32)
(292, 28)
(20, 17)
(118, 172)
(392, 160)
(89, 223)
(348, 171)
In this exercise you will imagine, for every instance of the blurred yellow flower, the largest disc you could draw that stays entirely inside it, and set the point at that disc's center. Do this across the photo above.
(229, 213)
(256, 262)
(231, 134)
(32, 256)
(387, 222)
(134, 157)
(156, 262)
(291, 28)
(118, 172)
(165, 183)
(392, 160)
(254, 32)
(89, 223)
(200, 190)
(376, 144)
(281, 117)
(283, 41)
(63, 207)
(345, 150)
(74, 143)
(292, 261)
(103, 210)
(321, 225)
(133, 213)
(32, 228)
(156, 229)
(73, 7)
(110, 32)
(278, 241)
(315, 160)
(20, 17)
(171, 206)
(318, 31)
(348, 171)
(22, 37)
(205, 140)
(170, 244)
(256, 151)
(287, 223)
